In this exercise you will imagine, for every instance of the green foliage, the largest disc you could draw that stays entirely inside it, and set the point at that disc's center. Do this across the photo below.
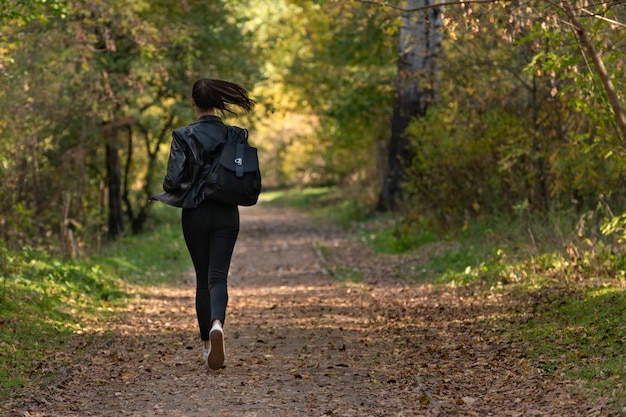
(615, 226)
(114, 73)
(25, 11)
(462, 168)
(345, 211)
(328, 90)
(521, 118)
(498, 251)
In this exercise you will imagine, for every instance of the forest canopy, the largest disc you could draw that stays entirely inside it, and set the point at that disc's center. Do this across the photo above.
(522, 105)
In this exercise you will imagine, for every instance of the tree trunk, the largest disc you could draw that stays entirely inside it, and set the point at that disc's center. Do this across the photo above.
(151, 153)
(114, 184)
(538, 195)
(419, 47)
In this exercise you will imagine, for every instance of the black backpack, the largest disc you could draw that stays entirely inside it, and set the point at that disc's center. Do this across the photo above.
(234, 176)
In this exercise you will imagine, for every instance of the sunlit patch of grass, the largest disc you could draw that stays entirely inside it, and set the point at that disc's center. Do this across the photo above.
(44, 303)
(391, 241)
(327, 203)
(582, 336)
(160, 257)
(156, 256)
(303, 198)
(344, 213)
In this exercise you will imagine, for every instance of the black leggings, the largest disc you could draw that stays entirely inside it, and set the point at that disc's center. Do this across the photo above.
(210, 232)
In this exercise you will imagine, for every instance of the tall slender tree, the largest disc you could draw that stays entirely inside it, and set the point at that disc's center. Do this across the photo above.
(418, 52)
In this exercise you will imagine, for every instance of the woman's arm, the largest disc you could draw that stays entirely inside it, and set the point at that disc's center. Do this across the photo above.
(176, 166)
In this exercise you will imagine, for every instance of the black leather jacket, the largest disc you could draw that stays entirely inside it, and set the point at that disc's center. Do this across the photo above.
(194, 148)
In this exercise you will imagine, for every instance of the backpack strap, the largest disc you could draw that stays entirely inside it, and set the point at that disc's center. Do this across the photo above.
(240, 152)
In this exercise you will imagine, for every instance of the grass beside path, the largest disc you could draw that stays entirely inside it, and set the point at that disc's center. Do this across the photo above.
(53, 311)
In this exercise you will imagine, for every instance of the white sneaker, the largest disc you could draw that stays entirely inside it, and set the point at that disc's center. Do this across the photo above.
(215, 357)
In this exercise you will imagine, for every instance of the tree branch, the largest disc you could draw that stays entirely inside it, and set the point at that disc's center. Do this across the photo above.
(609, 88)
(606, 19)
(430, 6)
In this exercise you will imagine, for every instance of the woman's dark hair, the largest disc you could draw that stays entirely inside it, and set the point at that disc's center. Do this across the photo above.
(221, 95)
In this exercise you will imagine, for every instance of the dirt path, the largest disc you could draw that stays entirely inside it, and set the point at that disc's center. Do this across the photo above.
(300, 344)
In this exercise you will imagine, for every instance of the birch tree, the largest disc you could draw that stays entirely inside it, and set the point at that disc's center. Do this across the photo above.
(418, 52)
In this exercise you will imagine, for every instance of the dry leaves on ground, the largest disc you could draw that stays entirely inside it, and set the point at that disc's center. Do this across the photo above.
(300, 344)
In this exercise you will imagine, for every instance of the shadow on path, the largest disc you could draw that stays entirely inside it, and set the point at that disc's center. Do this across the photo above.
(300, 344)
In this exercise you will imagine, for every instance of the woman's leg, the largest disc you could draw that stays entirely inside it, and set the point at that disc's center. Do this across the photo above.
(210, 232)
(196, 230)
(222, 246)
(222, 242)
